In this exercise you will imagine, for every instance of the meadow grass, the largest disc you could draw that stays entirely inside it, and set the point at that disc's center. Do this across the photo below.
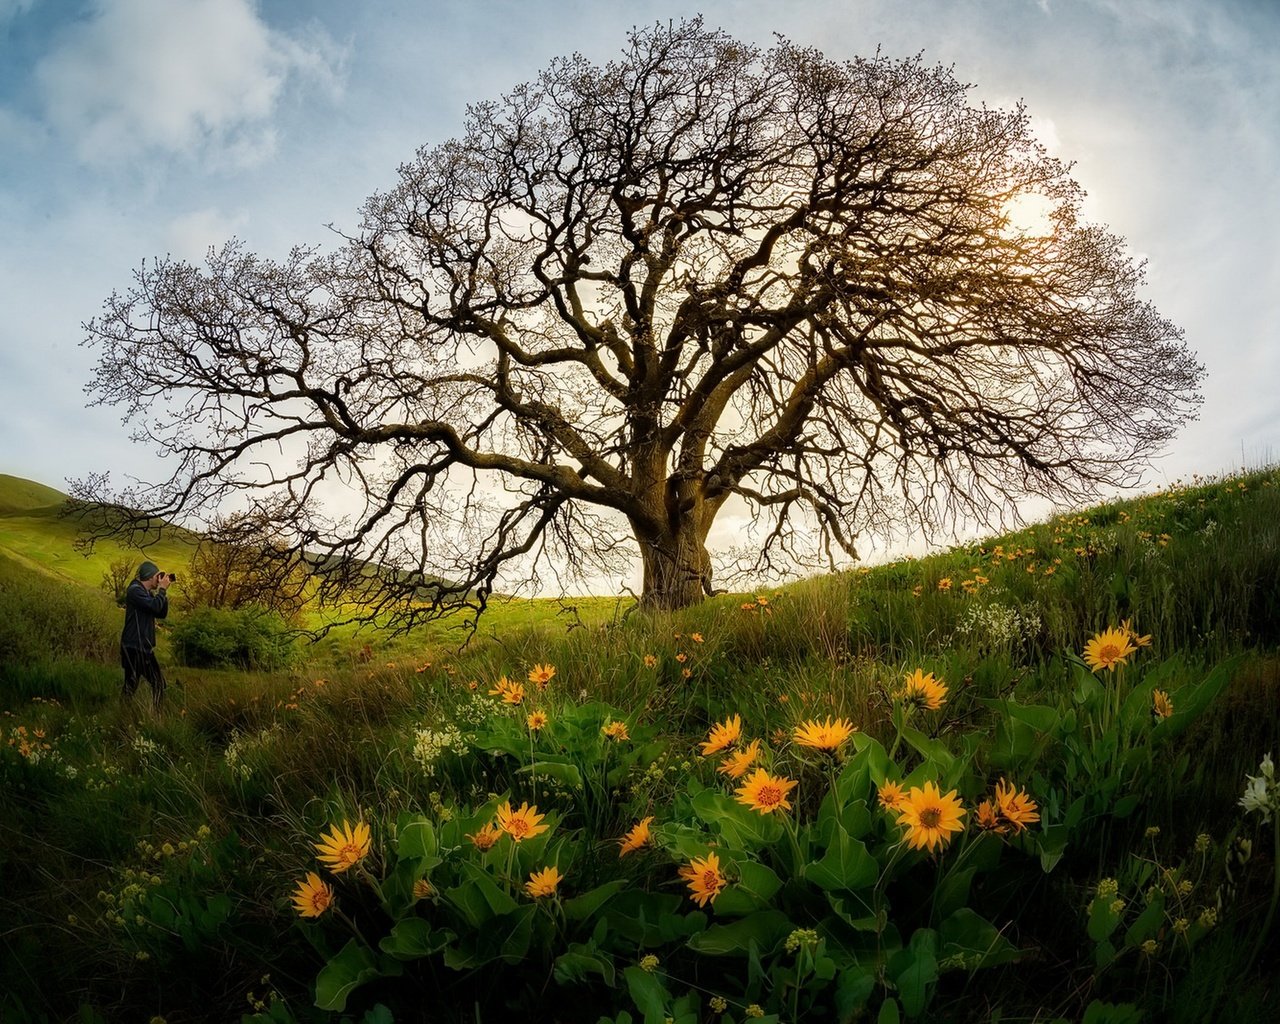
(148, 858)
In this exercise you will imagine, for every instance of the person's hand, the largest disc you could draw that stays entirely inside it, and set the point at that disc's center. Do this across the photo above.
(165, 580)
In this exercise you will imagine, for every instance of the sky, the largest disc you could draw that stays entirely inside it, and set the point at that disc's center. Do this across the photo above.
(136, 128)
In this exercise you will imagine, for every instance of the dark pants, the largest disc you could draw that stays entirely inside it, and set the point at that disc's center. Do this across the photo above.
(142, 665)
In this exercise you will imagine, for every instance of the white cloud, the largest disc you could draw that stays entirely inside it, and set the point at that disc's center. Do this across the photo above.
(191, 234)
(194, 77)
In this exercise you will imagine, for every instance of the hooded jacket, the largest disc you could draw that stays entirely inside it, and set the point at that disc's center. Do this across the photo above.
(141, 609)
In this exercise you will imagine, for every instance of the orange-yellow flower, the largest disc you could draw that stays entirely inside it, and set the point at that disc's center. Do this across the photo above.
(1108, 649)
(891, 796)
(650, 660)
(737, 763)
(312, 897)
(543, 883)
(929, 817)
(696, 637)
(704, 878)
(484, 838)
(536, 720)
(616, 731)
(1126, 627)
(988, 817)
(522, 824)
(722, 735)
(765, 793)
(422, 889)
(826, 735)
(344, 847)
(1161, 704)
(636, 837)
(510, 692)
(921, 690)
(541, 675)
(1015, 806)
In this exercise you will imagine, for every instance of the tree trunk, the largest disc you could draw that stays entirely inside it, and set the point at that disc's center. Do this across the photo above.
(677, 569)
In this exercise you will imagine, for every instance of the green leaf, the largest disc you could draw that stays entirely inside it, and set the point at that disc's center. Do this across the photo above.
(846, 865)
(977, 940)
(853, 988)
(413, 938)
(741, 827)
(1102, 919)
(764, 928)
(417, 838)
(914, 969)
(1189, 702)
(478, 896)
(648, 993)
(581, 959)
(1147, 924)
(584, 905)
(888, 1012)
(562, 771)
(933, 751)
(351, 967)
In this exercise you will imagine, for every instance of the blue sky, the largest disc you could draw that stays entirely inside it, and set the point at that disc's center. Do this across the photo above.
(133, 128)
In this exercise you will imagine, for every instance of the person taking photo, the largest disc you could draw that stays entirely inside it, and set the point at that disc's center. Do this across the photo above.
(146, 600)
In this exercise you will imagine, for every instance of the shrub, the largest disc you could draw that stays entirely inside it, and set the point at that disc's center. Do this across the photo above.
(246, 638)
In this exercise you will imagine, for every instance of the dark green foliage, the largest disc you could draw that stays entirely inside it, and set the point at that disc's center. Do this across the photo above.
(247, 638)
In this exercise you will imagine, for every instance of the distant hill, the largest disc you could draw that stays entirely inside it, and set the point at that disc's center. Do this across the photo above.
(18, 496)
(35, 534)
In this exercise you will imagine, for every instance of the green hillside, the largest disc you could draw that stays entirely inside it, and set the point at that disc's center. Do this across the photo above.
(1024, 779)
(26, 496)
(36, 532)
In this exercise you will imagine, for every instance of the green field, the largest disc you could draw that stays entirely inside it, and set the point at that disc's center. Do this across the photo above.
(1045, 826)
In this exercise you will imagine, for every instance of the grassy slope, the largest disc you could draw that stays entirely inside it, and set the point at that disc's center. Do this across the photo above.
(35, 532)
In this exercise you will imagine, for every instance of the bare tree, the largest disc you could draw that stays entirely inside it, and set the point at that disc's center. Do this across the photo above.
(630, 294)
(226, 570)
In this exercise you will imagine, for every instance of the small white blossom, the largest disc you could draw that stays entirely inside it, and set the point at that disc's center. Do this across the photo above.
(1261, 793)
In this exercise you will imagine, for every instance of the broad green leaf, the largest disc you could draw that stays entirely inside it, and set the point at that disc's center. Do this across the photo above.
(888, 1012)
(581, 959)
(562, 771)
(846, 865)
(648, 993)
(417, 838)
(765, 928)
(914, 969)
(741, 827)
(1147, 924)
(853, 988)
(353, 965)
(413, 938)
(1102, 919)
(583, 906)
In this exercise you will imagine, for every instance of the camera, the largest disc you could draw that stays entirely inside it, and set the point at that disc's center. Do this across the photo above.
(173, 576)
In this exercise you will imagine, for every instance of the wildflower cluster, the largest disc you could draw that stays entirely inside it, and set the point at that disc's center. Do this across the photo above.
(1261, 793)
(429, 744)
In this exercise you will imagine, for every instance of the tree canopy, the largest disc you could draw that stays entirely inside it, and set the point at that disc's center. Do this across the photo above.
(705, 275)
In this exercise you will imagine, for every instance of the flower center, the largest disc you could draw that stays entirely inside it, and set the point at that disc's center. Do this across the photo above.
(1109, 652)
(710, 879)
(931, 817)
(769, 795)
(518, 827)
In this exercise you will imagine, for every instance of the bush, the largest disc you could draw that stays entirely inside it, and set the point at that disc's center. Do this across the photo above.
(245, 638)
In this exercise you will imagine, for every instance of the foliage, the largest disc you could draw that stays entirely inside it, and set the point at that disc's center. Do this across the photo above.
(249, 638)
(1106, 866)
